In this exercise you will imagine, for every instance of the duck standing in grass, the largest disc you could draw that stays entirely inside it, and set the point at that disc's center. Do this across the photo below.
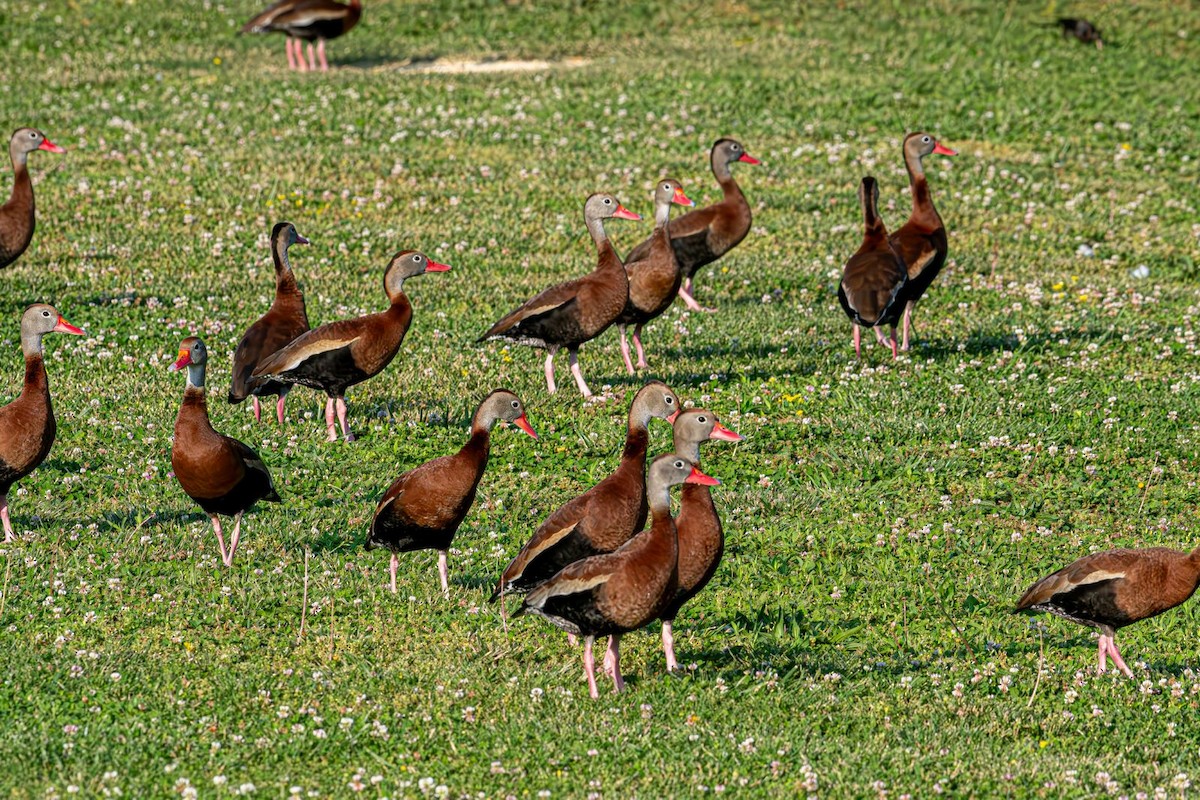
(653, 280)
(284, 321)
(224, 476)
(17, 218)
(425, 506)
(872, 289)
(921, 242)
(307, 20)
(702, 236)
(618, 592)
(340, 354)
(27, 426)
(1110, 590)
(571, 313)
(604, 517)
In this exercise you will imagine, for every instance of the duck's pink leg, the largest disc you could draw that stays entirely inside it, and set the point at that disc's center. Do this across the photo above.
(625, 350)
(637, 343)
(607, 663)
(444, 572)
(879, 336)
(216, 523)
(330, 420)
(290, 52)
(279, 406)
(301, 64)
(233, 543)
(572, 639)
(8, 531)
(321, 55)
(908, 309)
(589, 666)
(893, 343)
(257, 411)
(685, 294)
(395, 563)
(312, 62)
(550, 387)
(341, 415)
(857, 342)
(614, 647)
(573, 357)
(1115, 655)
(1103, 649)
(668, 638)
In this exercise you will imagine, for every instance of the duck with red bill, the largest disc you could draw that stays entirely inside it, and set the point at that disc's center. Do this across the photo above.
(27, 425)
(17, 219)
(340, 354)
(424, 507)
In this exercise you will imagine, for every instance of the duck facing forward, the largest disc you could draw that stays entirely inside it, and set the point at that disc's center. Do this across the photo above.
(27, 425)
(223, 475)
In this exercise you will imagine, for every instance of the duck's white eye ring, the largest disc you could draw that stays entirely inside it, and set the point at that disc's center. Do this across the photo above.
(678, 465)
(607, 202)
(669, 400)
(515, 404)
(702, 419)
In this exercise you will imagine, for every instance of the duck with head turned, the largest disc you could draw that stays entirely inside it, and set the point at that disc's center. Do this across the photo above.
(223, 475)
(872, 288)
(27, 426)
(921, 242)
(702, 236)
(17, 217)
(618, 592)
(571, 313)
(701, 538)
(1110, 590)
(655, 279)
(604, 517)
(340, 354)
(283, 322)
(425, 506)
(308, 20)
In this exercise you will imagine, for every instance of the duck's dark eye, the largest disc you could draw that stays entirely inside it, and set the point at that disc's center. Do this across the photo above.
(607, 202)
(515, 404)
(702, 419)
(45, 313)
(669, 400)
(926, 139)
(678, 465)
(417, 259)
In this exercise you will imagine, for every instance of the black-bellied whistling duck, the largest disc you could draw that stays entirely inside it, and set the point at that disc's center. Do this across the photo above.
(310, 20)
(223, 475)
(340, 354)
(283, 322)
(701, 539)
(16, 216)
(571, 313)
(872, 289)
(1081, 29)
(702, 236)
(921, 242)
(27, 425)
(1110, 590)
(618, 592)
(654, 280)
(424, 507)
(604, 517)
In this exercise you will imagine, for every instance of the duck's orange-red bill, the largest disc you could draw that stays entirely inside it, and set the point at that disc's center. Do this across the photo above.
(699, 477)
(671, 419)
(624, 213)
(682, 199)
(65, 327)
(749, 159)
(434, 266)
(184, 359)
(50, 146)
(719, 431)
(522, 422)
(942, 150)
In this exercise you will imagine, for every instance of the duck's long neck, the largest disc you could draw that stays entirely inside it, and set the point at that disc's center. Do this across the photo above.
(637, 441)
(873, 228)
(662, 214)
(285, 280)
(36, 380)
(22, 191)
(689, 449)
(478, 446)
(922, 203)
(604, 248)
(724, 176)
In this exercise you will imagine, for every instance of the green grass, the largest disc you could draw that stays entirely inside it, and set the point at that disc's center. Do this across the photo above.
(882, 516)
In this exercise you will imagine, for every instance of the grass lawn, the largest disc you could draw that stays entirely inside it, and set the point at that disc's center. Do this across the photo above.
(882, 516)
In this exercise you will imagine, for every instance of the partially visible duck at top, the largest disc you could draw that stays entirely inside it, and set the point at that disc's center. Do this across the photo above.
(872, 289)
(1081, 29)
(921, 242)
(310, 20)
(283, 322)
(340, 354)
(27, 425)
(571, 313)
(17, 217)
(655, 279)
(702, 236)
